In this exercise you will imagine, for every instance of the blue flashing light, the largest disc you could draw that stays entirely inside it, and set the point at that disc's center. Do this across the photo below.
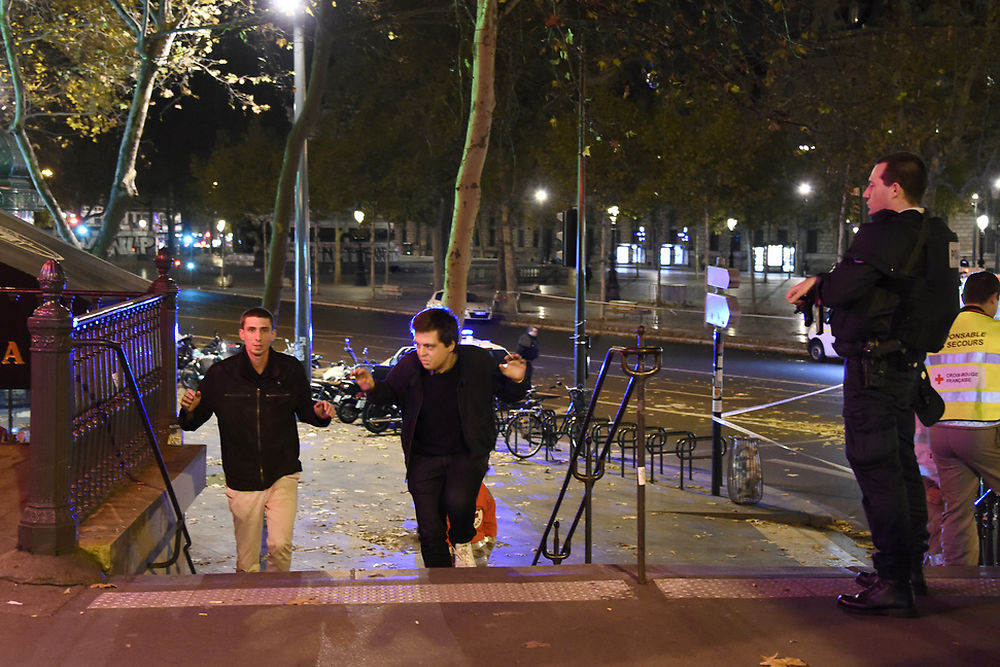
(81, 230)
(187, 240)
(190, 266)
(466, 332)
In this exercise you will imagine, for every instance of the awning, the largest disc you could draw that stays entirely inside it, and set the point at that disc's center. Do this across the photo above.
(26, 248)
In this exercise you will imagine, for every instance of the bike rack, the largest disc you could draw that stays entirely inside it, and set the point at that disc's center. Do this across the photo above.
(164, 473)
(594, 460)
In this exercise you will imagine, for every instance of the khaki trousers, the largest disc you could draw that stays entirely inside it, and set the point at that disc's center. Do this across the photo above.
(963, 455)
(251, 509)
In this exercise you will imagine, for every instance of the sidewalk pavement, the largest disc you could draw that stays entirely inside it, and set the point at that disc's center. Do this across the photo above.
(724, 584)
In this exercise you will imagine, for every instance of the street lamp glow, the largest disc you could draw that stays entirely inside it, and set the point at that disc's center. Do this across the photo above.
(613, 213)
(221, 225)
(983, 222)
(805, 189)
(47, 173)
(290, 7)
(359, 215)
(541, 195)
(731, 223)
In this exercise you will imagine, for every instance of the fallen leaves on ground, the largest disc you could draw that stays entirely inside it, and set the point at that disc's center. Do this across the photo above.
(775, 661)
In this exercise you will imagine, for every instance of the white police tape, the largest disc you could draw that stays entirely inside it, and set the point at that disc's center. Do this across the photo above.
(736, 427)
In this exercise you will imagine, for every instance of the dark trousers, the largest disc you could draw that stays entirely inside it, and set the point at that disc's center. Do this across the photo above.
(444, 490)
(878, 428)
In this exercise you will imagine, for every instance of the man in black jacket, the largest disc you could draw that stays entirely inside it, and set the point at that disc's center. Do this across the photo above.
(446, 393)
(880, 382)
(256, 396)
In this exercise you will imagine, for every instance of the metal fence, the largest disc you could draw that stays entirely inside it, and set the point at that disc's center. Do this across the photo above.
(109, 443)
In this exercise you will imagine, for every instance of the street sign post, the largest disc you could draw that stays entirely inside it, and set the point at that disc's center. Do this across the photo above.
(721, 311)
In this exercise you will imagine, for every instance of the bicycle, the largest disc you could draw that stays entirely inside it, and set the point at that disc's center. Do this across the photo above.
(534, 426)
(521, 424)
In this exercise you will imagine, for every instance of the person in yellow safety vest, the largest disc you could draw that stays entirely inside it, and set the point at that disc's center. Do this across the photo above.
(965, 444)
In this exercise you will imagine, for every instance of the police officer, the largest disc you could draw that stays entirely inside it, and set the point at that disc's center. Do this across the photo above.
(881, 382)
(966, 443)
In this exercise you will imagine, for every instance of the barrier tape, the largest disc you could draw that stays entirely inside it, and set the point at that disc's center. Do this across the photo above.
(736, 427)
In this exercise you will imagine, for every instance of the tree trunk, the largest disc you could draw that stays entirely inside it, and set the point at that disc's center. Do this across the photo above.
(284, 198)
(337, 243)
(16, 130)
(152, 53)
(708, 237)
(509, 304)
(477, 139)
(842, 216)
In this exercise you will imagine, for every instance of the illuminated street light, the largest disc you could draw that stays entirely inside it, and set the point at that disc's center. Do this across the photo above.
(982, 222)
(731, 225)
(975, 214)
(359, 216)
(611, 287)
(541, 195)
(303, 288)
(805, 189)
(221, 226)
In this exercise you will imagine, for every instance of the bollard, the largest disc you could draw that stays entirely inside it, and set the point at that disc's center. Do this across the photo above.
(746, 480)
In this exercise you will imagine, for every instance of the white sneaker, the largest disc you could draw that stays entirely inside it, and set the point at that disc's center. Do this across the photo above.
(463, 555)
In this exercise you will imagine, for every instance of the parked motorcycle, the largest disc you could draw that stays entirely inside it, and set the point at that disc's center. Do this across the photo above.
(380, 417)
(202, 359)
(351, 401)
(185, 350)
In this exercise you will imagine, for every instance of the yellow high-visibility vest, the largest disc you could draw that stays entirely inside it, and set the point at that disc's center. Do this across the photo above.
(966, 371)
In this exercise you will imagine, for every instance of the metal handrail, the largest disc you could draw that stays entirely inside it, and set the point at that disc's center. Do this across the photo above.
(151, 434)
(594, 465)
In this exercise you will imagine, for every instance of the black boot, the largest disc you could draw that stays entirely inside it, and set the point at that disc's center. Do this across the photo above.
(917, 580)
(886, 597)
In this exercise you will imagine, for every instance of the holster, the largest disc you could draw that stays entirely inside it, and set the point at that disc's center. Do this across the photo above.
(875, 360)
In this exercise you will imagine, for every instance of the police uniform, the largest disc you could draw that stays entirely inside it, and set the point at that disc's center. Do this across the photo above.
(880, 388)
(966, 443)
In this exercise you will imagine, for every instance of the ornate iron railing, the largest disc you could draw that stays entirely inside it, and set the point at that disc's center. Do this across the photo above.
(109, 441)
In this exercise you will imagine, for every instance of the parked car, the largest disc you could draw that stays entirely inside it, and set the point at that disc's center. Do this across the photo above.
(499, 352)
(820, 338)
(475, 307)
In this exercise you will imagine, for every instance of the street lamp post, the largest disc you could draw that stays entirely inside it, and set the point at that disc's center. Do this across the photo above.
(359, 273)
(975, 214)
(303, 289)
(221, 227)
(613, 292)
(982, 221)
(731, 225)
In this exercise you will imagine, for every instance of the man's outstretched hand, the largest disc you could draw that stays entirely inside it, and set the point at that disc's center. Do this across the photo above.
(514, 367)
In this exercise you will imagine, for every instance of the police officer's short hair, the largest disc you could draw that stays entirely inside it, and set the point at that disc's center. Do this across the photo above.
(908, 170)
(441, 320)
(979, 287)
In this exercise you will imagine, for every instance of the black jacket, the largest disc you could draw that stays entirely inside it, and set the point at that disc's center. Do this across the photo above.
(863, 289)
(479, 381)
(256, 414)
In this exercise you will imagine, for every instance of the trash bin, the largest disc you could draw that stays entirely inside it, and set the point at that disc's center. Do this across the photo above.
(746, 482)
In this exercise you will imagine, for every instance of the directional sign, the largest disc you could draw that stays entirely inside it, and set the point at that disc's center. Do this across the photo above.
(722, 277)
(721, 310)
